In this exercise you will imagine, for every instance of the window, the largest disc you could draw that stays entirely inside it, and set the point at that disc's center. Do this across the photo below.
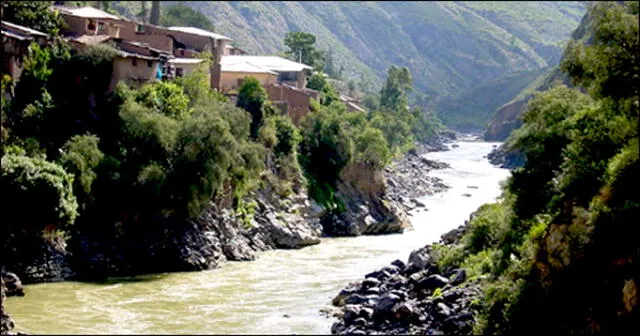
(101, 27)
(140, 28)
(288, 76)
(134, 62)
(149, 63)
(179, 72)
(91, 26)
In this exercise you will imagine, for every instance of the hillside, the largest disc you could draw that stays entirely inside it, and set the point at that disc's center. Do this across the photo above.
(458, 52)
(505, 119)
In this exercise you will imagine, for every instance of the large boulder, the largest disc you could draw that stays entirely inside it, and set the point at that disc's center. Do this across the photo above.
(12, 286)
(432, 282)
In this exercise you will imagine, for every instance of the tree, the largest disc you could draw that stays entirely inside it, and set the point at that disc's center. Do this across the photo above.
(329, 66)
(32, 14)
(252, 97)
(155, 13)
(302, 49)
(393, 95)
(181, 15)
(317, 82)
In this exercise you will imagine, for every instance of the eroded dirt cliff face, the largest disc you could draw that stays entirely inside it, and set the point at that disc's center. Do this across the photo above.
(378, 202)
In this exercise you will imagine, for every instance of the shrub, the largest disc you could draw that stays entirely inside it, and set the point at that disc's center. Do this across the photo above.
(39, 193)
(166, 98)
(252, 97)
(267, 134)
(80, 156)
(287, 134)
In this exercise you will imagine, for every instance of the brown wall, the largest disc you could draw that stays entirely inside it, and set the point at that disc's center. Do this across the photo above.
(155, 37)
(297, 101)
(229, 80)
(135, 76)
(79, 26)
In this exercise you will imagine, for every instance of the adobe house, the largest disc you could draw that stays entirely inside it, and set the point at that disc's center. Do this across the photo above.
(182, 42)
(15, 45)
(289, 72)
(135, 63)
(88, 21)
(196, 40)
(233, 74)
(294, 102)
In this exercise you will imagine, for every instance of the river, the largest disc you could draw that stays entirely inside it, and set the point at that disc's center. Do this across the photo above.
(280, 293)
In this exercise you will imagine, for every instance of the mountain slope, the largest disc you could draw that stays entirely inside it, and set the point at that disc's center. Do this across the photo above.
(506, 118)
(451, 48)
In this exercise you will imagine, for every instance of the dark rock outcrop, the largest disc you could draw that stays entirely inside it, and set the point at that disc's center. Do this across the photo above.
(504, 158)
(6, 323)
(12, 286)
(411, 298)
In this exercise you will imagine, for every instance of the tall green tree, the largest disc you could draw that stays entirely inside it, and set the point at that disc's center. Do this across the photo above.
(302, 48)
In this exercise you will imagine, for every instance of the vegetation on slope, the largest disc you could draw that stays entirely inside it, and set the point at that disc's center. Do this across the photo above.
(449, 47)
(135, 160)
(557, 247)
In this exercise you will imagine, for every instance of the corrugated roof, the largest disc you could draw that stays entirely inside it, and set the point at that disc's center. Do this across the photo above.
(186, 60)
(245, 67)
(86, 12)
(23, 29)
(200, 32)
(273, 63)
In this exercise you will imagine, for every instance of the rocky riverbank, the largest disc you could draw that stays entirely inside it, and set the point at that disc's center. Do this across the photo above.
(409, 298)
(503, 158)
(375, 202)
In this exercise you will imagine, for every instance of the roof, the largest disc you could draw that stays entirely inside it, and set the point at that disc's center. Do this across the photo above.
(86, 12)
(186, 60)
(91, 39)
(125, 54)
(16, 36)
(245, 67)
(356, 107)
(273, 63)
(98, 39)
(200, 32)
(22, 29)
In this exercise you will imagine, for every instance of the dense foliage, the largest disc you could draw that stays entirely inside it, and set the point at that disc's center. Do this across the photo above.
(558, 247)
(334, 138)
